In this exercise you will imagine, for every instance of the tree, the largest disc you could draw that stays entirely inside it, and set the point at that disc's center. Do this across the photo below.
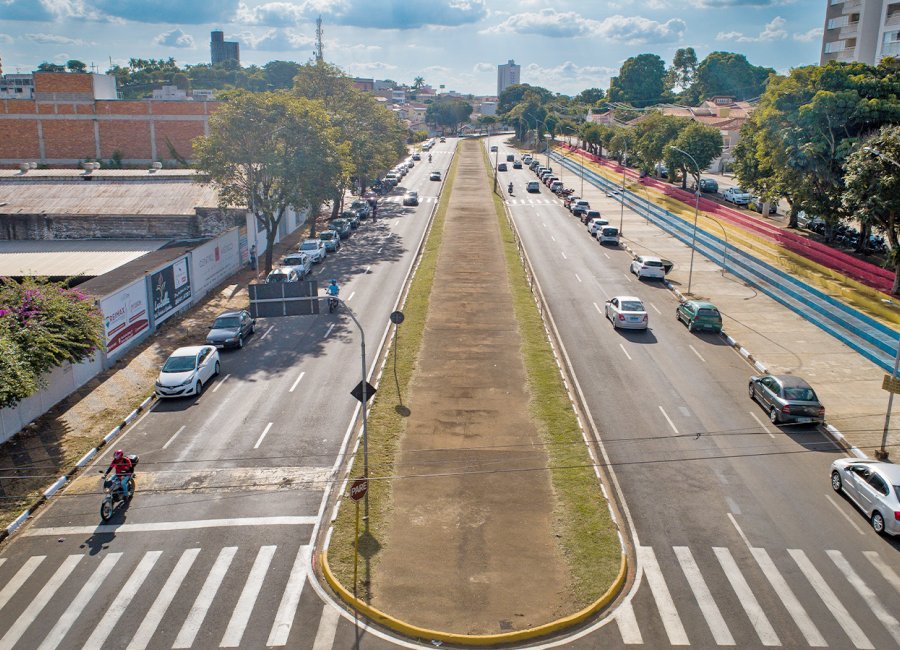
(271, 152)
(590, 96)
(684, 67)
(74, 65)
(873, 190)
(449, 113)
(418, 82)
(42, 325)
(512, 95)
(653, 135)
(731, 75)
(703, 143)
(641, 81)
(279, 75)
(50, 67)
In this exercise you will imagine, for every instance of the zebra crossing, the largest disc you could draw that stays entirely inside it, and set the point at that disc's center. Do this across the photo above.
(399, 199)
(793, 587)
(160, 598)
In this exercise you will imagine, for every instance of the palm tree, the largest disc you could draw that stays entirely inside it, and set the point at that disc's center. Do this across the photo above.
(418, 82)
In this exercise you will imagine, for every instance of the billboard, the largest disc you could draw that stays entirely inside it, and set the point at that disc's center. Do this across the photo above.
(125, 316)
(213, 262)
(170, 287)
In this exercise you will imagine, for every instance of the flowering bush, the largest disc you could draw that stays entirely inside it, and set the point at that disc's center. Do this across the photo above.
(42, 325)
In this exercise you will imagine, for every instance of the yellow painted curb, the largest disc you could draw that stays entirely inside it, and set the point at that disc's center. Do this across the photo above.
(413, 631)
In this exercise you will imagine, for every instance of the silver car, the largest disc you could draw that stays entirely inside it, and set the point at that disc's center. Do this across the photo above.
(875, 489)
(315, 249)
(627, 312)
(187, 371)
(787, 398)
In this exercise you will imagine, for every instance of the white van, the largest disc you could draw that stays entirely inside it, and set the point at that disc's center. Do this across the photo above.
(608, 235)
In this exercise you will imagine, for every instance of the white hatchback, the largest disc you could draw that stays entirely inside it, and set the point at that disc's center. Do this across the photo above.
(187, 371)
(595, 224)
(627, 312)
(645, 266)
(315, 248)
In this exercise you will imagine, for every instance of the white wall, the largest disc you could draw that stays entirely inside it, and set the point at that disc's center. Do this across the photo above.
(213, 262)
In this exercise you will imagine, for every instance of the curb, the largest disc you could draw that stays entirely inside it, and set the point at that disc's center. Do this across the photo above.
(414, 631)
(62, 480)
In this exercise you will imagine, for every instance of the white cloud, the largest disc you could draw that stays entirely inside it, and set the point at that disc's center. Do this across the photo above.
(272, 14)
(386, 14)
(626, 29)
(175, 38)
(568, 76)
(812, 35)
(6, 39)
(276, 40)
(484, 67)
(728, 4)
(773, 31)
(55, 39)
(371, 67)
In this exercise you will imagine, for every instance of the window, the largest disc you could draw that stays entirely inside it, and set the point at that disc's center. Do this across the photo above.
(836, 23)
(878, 484)
(834, 46)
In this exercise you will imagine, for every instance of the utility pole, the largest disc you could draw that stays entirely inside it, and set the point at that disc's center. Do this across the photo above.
(319, 53)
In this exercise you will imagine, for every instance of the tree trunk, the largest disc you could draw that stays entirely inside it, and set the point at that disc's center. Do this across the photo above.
(270, 246)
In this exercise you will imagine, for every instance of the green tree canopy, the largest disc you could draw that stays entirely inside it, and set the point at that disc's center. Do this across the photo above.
(280, 75)
(448, 113)
(51, 67)
(730, 74)
(590, 96)
(515, 94)
(653, 135)
(641, 81)
(703, 143)
(74, 65)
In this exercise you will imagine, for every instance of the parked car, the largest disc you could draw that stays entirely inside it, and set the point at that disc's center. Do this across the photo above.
(550, 179)
(230, 329)
(300, 262)
(362, 209)
(579, 207)
(608, 235)
(569, 200)
(709, 185)
(737, 196)
(556, 187)
(875, 489)
(435, 176)
(645, 266)
(527, 158)
(341, 227)
(787, 398)
(351, 218)
(501, 167)
(627, 312)
(331, 239)
(443, 139)
(315, 248)
(697, 314)
(493, 148)
(533, 187)
(411, 198)
(282, 274)
(517, 164)
(587, 215)
(756, 203)
(187, 371)
(416, 156)
(595, 224)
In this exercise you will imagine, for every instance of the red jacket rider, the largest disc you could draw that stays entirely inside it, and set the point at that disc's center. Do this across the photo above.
(124, 468)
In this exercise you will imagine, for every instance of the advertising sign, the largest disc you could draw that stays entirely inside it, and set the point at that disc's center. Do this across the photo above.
(214, 261)
(170, 287)
(125, 316)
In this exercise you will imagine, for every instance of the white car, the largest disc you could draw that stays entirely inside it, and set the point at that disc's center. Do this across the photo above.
(300, 262)
(737, 196)
(282, 274)
(595, 224)
(627, 312)
(875, 489)
(315, 248)
(645, 266)
(187, 371)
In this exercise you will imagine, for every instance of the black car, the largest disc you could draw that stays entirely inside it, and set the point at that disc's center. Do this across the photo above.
(501, 167)
(517, 164)
(341, 227)
(362, 209)
(230, 329)
(351, 217)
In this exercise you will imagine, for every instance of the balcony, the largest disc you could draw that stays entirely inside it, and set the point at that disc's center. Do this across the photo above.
(850, 31)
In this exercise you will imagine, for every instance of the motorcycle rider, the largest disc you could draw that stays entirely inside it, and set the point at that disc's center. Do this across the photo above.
(429, 157)
(333, 290)
(510, 188)
(124, 469)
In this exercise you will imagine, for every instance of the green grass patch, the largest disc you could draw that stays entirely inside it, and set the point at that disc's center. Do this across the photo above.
(588, 536)
(385, 424)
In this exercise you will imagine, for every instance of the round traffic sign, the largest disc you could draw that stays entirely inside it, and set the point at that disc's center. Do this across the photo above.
(397, 317)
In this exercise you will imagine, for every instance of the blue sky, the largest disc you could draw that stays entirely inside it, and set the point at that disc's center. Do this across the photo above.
(565, 46)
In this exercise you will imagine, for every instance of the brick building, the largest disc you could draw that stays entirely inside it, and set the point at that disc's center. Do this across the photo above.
(74, 117)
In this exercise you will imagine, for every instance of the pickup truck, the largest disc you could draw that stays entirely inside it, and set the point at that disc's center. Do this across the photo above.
(737, 196)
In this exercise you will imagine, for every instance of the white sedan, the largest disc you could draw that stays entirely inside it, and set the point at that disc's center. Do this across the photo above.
(315, 249)
(875, 489)
(627, 312)
(645, 266)
(187, 371)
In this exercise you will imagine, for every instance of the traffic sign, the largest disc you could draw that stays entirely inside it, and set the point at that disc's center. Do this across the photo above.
(397, 317)
(891, 384)
(358, 488)
(357, 391)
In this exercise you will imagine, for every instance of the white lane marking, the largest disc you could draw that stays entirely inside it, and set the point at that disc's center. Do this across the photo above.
(350, 297)
(627, 355)
(297, 381)
(15, 632)
(241, 614)
(628, 625)
(761, 424)
(11, 587)
(597, 307)
(694, 350)
(668, 419)
(755, 613)
(733, 505)
(628, 277)
(844, 514)
(564, 255)
(396, 221)
(543, 224)
(205, 598)
(2, 560)
(290, 599)
(73, 611)
(180, 429)
(606, 255)
(704, 598)
(266, 333)
(218, 384)
(654, 308)
(379, 250)
(367, 268)
(162, 526)
(327, 628)
(552, 237)
(890, 623)
(117, 607)
(328, 331)
(265, 431)
(155, 615)
(837, 609)
(738, 528)
(788, 599)
(578, 277)
(664, 603)
(886, 572)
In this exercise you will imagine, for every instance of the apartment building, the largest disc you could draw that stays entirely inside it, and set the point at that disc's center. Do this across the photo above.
(861, 30)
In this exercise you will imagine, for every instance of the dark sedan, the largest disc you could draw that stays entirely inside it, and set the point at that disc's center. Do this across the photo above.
(341, 227)
(230, 329)
(787, 398)
(331, 239)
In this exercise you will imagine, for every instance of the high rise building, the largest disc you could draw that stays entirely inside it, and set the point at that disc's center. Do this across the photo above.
(507, 75)
(861, 30)
(221, 50)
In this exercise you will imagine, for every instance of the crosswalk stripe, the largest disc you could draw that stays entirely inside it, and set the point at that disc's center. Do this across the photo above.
(837, 609)
(281, 628)
(327, 628)
(889, 622)
(73, 611)
(628, 625)
(244, 607)
(664, 602)
(158, 609)
(704, 598)
(789, 600)
(2, 560)
(14, 633)
(19, 579)
(758, 619)
(194, 620)
(883, 568)
(122, 600)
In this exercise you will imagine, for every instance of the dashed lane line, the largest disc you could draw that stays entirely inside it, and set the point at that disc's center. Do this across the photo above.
(220, 382)
(265, 431)
(297, 381)
(172, 439)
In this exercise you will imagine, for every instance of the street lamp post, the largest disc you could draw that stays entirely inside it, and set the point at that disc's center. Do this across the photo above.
(696, 214)
(882, 453)
(622, 195)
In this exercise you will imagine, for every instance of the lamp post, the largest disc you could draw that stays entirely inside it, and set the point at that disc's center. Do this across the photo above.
(882, 453)
(696, 214)
(622, 195)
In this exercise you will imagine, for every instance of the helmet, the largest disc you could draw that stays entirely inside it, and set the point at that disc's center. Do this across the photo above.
(333, 281)
(118, 453)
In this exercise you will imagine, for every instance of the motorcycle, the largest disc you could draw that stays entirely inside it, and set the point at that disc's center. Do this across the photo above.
(510, 188)
(114, 493)
(567, 192)
(332, 304)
